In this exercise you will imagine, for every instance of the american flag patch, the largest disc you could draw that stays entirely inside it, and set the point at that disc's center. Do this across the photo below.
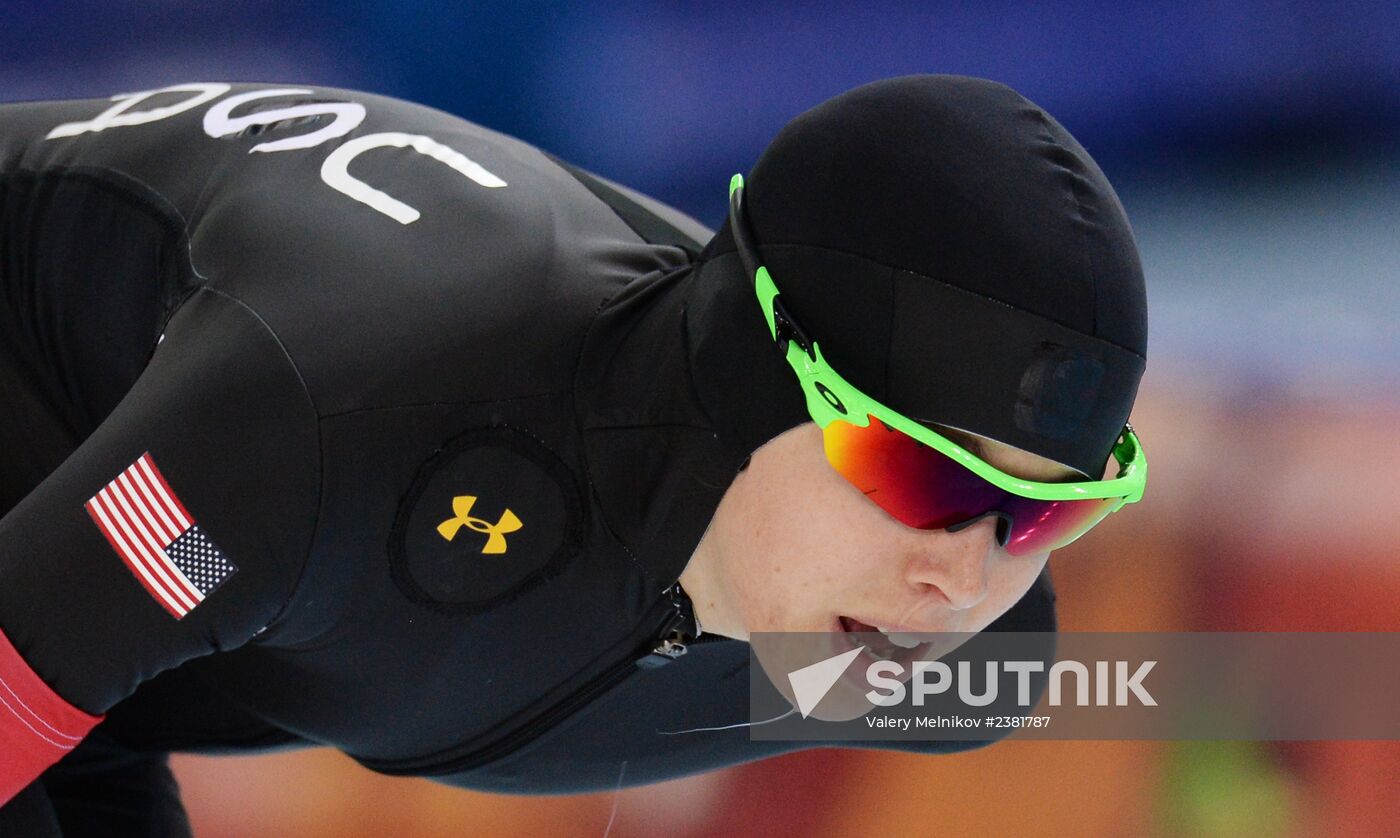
(148, 526)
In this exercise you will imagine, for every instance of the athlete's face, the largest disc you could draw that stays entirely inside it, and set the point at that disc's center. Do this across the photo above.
(793, 547)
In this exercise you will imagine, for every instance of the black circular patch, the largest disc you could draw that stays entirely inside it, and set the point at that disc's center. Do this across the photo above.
(488, 517)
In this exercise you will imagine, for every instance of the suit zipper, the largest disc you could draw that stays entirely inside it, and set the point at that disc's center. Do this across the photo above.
(658, 645)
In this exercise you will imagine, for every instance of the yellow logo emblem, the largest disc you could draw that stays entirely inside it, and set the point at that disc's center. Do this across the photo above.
(496, 533)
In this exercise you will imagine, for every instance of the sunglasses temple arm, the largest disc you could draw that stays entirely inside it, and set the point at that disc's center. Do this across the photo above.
(781, 324)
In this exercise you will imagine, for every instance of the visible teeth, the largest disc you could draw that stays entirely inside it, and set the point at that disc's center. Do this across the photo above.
(882, 654)
(902, 639)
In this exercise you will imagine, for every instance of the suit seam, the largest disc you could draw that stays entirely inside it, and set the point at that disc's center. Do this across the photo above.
(296, 589)
(450, 402)
(979, 295)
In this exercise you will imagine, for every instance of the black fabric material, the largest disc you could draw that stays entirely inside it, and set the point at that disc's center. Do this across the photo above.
(36, 435)
(960, 256)
(92, 328)
(218, 400)
(327, 353)
(651, 227)
(99, 790)
(102, 788)
(30, 813)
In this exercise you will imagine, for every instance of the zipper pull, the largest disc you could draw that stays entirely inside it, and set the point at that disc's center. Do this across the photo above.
(672, 643)
(663, 653)
(685, 610)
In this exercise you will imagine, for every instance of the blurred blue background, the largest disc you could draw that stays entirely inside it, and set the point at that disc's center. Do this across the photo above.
(660, 95)
(1255, 144)
(1256, 147)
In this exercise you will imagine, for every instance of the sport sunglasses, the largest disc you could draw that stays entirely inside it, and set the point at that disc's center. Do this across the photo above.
(920, 477)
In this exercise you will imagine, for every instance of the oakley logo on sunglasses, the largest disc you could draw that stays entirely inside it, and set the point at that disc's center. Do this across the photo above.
(831, 398)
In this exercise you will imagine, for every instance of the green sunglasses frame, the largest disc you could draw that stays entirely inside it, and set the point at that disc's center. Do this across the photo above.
(830, 398)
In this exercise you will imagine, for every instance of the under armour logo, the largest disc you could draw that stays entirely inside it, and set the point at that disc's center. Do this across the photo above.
(496, 533)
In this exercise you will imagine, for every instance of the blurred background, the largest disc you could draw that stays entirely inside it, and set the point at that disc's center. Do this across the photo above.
(1255, 146)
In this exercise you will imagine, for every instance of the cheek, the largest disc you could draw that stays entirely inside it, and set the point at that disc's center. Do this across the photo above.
(1008, 581)
(795, 555)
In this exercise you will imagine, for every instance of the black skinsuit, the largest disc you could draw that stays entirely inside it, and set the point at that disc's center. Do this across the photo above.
(338, 355)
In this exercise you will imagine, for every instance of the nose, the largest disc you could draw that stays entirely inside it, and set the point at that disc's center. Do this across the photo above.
(955, 563)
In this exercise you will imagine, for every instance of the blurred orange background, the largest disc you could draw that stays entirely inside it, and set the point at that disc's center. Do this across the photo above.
(1266, 514)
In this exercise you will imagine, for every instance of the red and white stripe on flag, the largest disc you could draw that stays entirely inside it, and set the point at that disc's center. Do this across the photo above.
(141, 517)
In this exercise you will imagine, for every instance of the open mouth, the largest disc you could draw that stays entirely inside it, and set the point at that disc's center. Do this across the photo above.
(900, 647)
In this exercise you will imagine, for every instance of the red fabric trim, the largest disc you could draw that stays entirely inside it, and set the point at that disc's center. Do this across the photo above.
(37, 727)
